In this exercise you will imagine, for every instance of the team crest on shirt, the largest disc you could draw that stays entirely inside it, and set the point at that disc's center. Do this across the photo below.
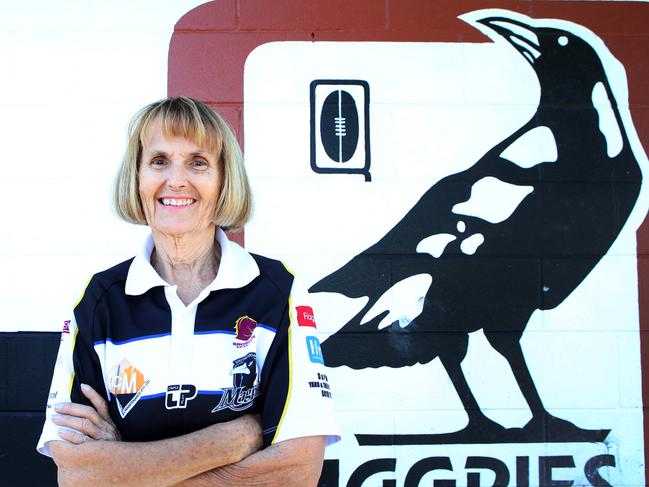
(244, 329)
(126, 383)
(245, 385)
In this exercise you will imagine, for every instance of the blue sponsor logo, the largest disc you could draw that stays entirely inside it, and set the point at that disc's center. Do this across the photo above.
(315, 352)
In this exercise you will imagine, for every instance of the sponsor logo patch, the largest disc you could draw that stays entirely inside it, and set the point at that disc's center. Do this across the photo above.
(305, 316)
(178, 395)
(66, 326)
(245, 385)
(315, 352)
(126, 383)
(244, 331)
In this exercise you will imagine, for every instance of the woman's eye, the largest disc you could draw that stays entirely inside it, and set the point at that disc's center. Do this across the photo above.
(199, 163)
(158, 162)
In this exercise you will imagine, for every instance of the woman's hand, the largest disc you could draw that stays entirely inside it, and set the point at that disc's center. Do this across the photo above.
(86, 423)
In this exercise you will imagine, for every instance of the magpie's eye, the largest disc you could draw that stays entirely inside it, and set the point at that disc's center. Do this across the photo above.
(563, 41)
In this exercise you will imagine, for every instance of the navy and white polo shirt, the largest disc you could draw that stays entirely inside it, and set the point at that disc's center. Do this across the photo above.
(246, 344)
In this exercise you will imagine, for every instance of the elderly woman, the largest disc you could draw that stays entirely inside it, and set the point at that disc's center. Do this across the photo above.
(196, 362)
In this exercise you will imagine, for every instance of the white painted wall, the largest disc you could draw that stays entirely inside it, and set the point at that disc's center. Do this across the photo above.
(72, 73)
(436, 108)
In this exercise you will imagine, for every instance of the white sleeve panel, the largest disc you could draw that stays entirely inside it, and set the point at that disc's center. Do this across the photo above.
(61, 385)
(309, 410)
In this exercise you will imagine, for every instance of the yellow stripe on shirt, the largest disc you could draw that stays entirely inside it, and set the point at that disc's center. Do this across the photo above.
(74, 341)
(290, 362)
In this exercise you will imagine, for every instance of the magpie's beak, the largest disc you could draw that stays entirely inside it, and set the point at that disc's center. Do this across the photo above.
(521, 36)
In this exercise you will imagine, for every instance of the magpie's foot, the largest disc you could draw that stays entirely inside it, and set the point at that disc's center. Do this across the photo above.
(547, 428)
(481, 429)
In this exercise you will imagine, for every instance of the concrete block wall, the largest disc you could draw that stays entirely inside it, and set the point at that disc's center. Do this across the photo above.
(73, 74)
(253, 61)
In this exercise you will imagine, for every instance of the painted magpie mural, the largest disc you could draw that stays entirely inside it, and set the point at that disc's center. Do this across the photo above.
(514, 228)
(461, 203)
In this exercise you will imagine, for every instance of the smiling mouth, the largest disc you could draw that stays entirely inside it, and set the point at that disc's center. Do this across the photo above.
(177, 201)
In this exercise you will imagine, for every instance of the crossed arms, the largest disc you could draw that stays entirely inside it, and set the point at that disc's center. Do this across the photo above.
(222, 455)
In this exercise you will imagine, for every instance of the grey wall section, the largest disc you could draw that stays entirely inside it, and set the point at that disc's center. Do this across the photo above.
(26, 361)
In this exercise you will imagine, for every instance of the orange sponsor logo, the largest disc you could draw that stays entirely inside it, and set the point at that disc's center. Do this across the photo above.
(125, 378)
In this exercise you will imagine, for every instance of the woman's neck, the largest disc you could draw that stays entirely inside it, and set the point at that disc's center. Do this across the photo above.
(189, 261)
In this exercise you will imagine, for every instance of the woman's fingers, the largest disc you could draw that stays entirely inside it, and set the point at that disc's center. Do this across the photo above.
(108, 428)
(96, 400)
(85, 428)
(80, 411)
(73, 436)
(92, 423)
(82, 427)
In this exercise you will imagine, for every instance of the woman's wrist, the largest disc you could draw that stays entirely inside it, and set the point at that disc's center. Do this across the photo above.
(247, 436)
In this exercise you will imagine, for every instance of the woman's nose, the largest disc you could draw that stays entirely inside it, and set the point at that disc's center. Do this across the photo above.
(177, 175)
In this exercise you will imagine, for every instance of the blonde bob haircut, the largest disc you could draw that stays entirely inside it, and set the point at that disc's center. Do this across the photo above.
(193, 120)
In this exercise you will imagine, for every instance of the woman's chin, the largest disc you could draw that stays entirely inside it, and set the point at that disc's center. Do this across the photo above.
(179, 230)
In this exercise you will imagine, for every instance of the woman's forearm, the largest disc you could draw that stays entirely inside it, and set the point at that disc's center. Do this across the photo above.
(156, 463)
(290, 463)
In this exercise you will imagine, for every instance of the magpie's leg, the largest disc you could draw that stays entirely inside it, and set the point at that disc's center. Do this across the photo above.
(453, 350)
(543, 425)
(508, 344)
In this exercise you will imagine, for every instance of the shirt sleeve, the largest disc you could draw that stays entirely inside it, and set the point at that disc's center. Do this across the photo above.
(61, 387)
(298, 369)
(76, 362)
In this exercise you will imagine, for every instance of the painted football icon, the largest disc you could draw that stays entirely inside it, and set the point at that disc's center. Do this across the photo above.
(339, 126)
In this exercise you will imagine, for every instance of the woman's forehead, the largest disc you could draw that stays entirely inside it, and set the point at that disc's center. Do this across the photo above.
(160, 130)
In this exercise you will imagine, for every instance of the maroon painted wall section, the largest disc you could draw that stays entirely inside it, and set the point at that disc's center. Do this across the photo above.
(211, 43)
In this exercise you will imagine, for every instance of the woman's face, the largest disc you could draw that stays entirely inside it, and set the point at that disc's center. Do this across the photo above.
(178, 183)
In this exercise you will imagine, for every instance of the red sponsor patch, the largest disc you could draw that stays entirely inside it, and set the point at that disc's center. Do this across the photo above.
(305, 316)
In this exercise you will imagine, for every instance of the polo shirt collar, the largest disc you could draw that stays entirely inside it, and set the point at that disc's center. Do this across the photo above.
(236, 269)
